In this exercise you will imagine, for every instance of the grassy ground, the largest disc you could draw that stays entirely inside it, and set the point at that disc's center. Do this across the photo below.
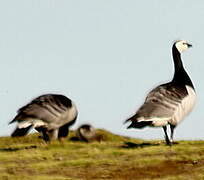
(115, 158)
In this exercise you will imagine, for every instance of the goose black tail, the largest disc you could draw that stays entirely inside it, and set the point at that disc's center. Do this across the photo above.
(21, 131)
(140, 124)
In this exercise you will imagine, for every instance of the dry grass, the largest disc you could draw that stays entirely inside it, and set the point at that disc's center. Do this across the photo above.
(115, 157)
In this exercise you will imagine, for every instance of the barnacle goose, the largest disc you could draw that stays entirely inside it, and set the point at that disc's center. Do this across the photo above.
(168, 103)
(49, 114)
(86, 132)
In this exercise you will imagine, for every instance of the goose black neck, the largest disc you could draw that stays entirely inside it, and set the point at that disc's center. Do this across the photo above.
(181, 77)
(178, 65)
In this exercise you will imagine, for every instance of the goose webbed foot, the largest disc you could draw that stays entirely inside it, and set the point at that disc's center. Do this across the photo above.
(172, 127)
(168, 142)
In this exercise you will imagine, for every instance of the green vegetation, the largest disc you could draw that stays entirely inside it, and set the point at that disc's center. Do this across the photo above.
(114, 157)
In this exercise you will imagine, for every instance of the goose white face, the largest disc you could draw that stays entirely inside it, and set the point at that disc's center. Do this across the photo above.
(182, 45)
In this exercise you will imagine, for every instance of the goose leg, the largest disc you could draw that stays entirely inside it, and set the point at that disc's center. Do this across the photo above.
(44, 133)
(172, 127)
(63, 131)
(168, 142)
(53, 134)
(45, 136)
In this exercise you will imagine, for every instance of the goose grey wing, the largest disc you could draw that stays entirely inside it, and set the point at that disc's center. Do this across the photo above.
(48, 108)
(161, 102)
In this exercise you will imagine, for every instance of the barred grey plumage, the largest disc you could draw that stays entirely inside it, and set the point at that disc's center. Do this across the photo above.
(168, 103)
(50, 114)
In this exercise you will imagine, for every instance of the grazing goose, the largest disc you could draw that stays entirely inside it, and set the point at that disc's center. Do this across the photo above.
(50, 114)
(168, 103)
(86, 132)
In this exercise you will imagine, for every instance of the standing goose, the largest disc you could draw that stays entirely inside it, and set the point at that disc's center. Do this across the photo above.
(50, 114)
(168, 103)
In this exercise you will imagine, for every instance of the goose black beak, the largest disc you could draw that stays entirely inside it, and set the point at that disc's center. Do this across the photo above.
(189, 45)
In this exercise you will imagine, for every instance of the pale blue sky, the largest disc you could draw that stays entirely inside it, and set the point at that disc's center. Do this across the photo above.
(103, 54)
